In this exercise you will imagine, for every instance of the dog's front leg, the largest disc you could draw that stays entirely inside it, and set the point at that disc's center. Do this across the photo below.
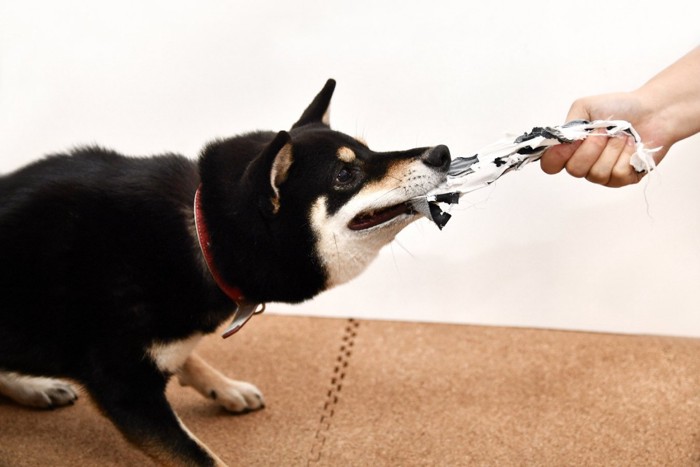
(134, 399)
(234, 396)
(46, 393)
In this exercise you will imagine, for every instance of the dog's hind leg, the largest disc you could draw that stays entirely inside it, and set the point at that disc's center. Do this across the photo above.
(134, 399)
(36, 391)
(234, 396)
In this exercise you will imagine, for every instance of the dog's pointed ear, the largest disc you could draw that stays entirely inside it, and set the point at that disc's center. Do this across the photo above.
(271, 169)
(319, 109)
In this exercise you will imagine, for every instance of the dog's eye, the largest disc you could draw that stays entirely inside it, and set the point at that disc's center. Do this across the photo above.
(345, 176)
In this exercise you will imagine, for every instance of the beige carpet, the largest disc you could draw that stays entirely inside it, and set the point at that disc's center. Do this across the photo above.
(354, 393)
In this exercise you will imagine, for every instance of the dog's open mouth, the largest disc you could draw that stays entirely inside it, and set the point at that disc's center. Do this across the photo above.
(369, 219)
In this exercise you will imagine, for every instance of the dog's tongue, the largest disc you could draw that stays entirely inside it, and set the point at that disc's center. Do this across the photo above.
(371, 219)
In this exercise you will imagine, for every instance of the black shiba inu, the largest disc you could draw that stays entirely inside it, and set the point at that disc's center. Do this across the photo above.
(103, 280)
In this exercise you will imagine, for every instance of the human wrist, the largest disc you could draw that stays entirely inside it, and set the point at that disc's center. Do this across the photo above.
(664, 111)
(673, 96)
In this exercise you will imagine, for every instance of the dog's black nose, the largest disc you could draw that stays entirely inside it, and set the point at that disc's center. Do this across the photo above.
(438, 157)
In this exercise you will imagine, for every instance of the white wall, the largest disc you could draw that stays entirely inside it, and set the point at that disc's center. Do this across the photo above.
(534, 250)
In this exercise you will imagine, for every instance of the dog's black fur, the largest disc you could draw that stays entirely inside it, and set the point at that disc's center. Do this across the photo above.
(98, 260)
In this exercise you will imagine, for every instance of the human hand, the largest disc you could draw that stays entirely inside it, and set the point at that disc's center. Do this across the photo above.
(605, 160)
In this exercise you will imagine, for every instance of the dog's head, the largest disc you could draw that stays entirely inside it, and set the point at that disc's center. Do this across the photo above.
(300, 211)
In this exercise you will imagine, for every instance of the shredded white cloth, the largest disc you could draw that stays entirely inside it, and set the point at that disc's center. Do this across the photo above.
(467, 174)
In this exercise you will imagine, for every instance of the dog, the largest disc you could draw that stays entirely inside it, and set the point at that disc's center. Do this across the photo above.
(112, 268)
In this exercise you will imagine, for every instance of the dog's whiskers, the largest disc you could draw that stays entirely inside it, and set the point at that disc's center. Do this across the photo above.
(337, 250)
(404, 248)
(387, 193)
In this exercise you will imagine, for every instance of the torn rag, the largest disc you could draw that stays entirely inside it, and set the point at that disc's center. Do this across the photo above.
(467, 174)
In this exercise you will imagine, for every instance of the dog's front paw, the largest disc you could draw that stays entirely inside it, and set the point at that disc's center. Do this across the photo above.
(44, 393)
(237, 396)
(234, 396)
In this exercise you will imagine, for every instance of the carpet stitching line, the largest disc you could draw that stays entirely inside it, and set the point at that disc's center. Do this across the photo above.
(333, 393)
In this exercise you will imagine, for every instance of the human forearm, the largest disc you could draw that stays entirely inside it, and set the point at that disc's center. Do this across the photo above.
(674, 95)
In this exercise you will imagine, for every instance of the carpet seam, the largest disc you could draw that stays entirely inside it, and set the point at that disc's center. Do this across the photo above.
(342, 362)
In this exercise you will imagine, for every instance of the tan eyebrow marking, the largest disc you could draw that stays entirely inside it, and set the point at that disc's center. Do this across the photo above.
(346, 154)
(361, 140)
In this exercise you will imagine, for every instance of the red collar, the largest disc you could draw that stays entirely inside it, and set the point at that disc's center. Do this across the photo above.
(244, 310)
(234, 293)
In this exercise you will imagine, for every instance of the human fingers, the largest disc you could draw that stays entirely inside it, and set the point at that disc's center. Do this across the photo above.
(623, 173)
(581, 161)
(556, 157)
(602, 169)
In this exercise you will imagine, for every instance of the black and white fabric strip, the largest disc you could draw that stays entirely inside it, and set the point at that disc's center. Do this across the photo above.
(467, 174)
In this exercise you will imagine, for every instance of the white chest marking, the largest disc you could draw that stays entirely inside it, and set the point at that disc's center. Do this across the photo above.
(170, 356)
